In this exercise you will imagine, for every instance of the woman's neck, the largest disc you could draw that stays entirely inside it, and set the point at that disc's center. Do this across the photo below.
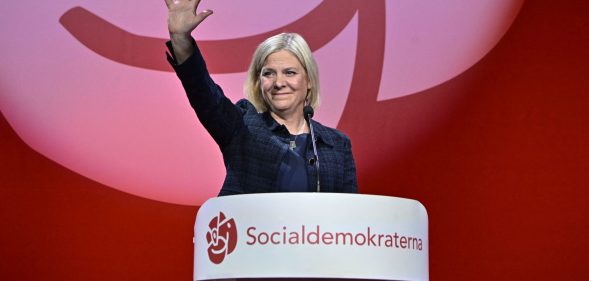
(295, 123)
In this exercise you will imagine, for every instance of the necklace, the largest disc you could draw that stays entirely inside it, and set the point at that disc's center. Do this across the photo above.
(293, 143)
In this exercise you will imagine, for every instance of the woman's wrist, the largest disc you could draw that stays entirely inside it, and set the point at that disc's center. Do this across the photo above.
(183, 46)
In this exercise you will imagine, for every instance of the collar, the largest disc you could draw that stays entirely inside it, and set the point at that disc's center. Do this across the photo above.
(322, 133)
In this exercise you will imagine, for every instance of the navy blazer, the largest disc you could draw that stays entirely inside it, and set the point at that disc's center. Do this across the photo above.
(253, 144)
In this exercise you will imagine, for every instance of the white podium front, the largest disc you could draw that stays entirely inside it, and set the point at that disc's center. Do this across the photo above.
(311, 235)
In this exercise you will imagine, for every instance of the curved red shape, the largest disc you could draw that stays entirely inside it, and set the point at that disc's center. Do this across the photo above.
(369, 59)
(318, 27)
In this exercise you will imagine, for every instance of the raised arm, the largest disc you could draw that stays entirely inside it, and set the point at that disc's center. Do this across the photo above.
(216, 112)
(183, 18)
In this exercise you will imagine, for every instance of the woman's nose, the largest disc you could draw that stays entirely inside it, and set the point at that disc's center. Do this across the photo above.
(279, 82)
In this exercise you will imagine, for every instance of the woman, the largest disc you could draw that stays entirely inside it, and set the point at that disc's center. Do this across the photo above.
(265, 140)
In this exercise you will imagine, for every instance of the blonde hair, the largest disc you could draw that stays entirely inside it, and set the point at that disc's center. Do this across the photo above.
(295, 44)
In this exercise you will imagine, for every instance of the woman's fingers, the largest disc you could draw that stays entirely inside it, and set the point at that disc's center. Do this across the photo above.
(194, 4)
(169, 2)
(191, 3)
(203, 15)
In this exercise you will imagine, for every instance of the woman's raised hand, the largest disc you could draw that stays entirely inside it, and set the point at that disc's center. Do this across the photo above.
(182, 20)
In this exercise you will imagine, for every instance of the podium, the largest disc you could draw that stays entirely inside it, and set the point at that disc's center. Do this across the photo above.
(311, 235)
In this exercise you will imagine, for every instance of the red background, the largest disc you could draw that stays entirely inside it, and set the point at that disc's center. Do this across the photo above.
(504, 176)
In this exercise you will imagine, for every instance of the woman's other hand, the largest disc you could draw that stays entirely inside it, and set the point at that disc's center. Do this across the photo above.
(182, 20)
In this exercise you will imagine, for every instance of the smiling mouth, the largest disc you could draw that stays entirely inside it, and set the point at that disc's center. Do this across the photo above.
(319, 27)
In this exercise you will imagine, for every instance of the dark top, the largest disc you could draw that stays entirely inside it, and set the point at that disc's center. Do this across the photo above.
(292, 176)
(253, 144)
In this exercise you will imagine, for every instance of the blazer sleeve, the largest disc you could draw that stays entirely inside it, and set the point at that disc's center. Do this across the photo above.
(220, 117)
(350, 179)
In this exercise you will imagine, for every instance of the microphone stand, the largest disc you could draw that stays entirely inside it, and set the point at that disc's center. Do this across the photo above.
(308, 114)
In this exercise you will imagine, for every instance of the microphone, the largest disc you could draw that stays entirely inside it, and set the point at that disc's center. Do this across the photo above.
(308, 111)
(308, 114)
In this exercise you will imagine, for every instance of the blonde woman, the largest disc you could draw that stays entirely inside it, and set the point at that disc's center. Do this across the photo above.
(265, 139)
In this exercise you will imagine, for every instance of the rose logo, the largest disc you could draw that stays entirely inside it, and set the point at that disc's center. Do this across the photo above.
(221, 238)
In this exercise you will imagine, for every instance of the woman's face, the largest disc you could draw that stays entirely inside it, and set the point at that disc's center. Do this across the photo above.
(284, 83)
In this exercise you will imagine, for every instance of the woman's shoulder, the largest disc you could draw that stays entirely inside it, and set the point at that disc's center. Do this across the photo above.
(330, 135)
(245, 105)
(251, 116)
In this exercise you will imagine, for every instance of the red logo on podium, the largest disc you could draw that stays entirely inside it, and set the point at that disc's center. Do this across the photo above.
(221, 238)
